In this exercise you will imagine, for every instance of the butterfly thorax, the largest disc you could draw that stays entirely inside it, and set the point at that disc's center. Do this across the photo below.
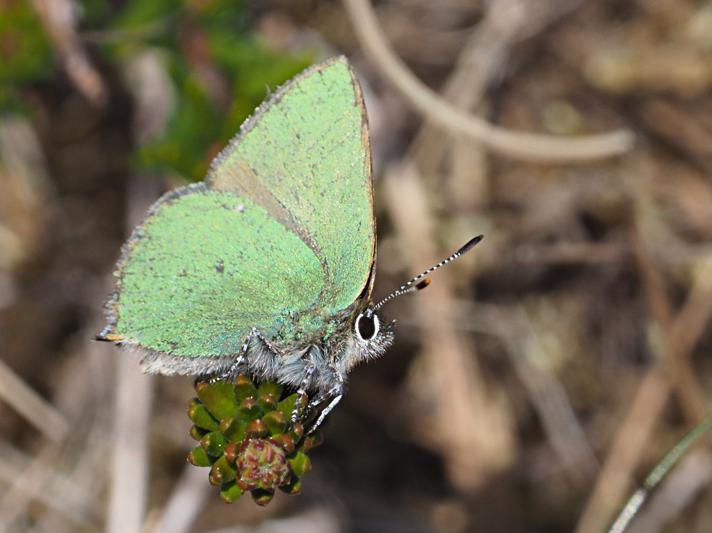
(305, 327)
(332, 349)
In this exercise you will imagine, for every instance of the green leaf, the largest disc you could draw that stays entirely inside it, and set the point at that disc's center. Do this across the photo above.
(300, 464)
(25, 53)
(197, 433)
(639, 498)
(200, 416)
(250, 409)
(233, 429)
(218, 397)
(199, 457)
(139, 13)
(275, 421)
(221, 472)
(262, 496)
(230, 492)
(213, 443)
(244, 388)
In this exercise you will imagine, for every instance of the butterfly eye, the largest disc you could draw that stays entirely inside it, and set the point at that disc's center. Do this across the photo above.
(367, 326)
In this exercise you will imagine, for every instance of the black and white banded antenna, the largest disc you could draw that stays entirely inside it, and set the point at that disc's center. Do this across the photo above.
(421, 281)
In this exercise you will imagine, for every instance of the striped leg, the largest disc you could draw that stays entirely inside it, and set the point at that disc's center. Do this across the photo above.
(302, 397)
(336, 393)
(240, 364)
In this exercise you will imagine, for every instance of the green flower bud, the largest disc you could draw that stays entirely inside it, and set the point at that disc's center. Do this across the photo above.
(247, 438)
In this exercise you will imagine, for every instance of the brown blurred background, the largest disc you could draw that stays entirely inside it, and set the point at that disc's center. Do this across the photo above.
(530, 388)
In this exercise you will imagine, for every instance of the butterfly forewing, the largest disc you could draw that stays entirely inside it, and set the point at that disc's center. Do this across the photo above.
(305, 156)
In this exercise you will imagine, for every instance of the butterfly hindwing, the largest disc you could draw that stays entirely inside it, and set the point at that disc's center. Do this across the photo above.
(203, 269)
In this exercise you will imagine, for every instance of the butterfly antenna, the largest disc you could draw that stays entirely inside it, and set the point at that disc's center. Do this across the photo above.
(421, 281)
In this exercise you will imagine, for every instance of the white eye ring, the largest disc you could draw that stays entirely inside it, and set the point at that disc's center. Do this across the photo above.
(368, 329)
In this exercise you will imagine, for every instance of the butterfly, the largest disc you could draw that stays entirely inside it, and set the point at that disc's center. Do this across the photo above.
(267, 266)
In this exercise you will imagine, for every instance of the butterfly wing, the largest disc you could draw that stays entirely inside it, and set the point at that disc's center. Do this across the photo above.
(305, 157)
(280, 237)
(202, 270)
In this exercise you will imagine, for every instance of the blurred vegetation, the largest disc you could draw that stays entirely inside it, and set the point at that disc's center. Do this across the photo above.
(528, 389)
(25, 53)
(188, 34)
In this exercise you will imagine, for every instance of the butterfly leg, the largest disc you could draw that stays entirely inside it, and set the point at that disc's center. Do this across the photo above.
(271, 347)
(302, 397)
(239, 365)
(335, 393)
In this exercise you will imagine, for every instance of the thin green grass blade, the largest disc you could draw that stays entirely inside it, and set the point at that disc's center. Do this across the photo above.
(656, 475)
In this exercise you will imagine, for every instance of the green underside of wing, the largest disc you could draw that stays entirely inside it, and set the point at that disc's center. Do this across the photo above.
(309, 149)
(208, 266)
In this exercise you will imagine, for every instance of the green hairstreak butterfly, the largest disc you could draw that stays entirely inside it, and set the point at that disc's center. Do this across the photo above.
(266, 266)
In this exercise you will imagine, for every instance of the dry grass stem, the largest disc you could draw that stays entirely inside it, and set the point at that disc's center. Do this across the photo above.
(683, 485)
(132, 412)
(39, 479)
(549, 397)
(59, 19)
(31, 406)
(615, 478)
(80, 448)
(520, 145)
(478, 429)
(684, 382)
(626, 449)
(185, 503)
(129, 449)
(546, 392)
(483, 56)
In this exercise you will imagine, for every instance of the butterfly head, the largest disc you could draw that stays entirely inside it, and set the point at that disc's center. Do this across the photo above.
(372, 336)
(371, 330)
(367, 325)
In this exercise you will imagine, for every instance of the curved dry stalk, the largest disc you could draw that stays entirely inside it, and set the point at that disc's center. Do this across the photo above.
(59, 18)
(521, 145)
(31, 406)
